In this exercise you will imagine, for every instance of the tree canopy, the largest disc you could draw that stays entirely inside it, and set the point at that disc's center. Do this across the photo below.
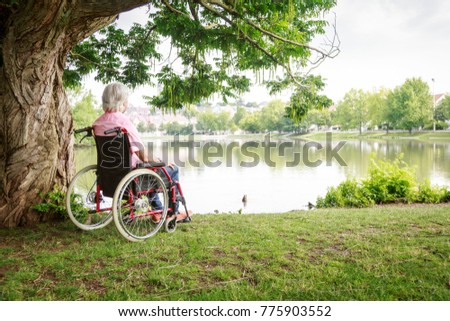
(193, 49)
(410, 105)
(353, 110)
(306, 98)
(83, 111)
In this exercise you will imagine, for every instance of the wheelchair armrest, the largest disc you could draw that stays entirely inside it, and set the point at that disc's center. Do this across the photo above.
(151, 164)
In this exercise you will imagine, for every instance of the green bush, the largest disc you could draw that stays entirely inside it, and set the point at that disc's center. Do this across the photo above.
(53, 203)
(333, 198)
(388, 182)
(349, 193)
(431, 194)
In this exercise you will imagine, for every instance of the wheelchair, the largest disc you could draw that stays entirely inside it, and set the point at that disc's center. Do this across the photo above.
(140, 200)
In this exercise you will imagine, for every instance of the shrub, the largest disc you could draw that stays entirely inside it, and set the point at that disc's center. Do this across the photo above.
(390, 181)
(348, 194)
(333, 198)
(431, 194)
(387, 182)
(53, 203)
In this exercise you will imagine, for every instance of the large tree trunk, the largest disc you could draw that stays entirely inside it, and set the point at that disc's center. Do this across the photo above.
(36, 145)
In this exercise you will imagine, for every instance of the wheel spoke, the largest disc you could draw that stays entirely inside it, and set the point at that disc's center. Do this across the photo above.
(88, 208)
(142, 208)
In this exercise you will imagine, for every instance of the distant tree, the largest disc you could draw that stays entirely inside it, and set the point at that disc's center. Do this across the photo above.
(344, 117)
(144, 127)
(442, 112)
(252, 104)
(305, 98)
(209, 121)
(238, 115)
(141, 127)
(376, 103)
(223, 121)
(317, 117)
(273, 117)
(441, 115)
(84, 112)
(151, 127)
(251, 122)
(190, 111)
(410, 105)
(175, 128)
(352, 111)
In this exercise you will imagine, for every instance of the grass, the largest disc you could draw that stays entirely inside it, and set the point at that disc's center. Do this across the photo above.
(384, 253)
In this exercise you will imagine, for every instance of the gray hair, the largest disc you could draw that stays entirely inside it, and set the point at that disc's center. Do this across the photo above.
(114, 97)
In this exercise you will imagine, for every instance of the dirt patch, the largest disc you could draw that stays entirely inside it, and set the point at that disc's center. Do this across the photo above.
(12, 243)
(95, 286)
(301, 240)
(3, 271)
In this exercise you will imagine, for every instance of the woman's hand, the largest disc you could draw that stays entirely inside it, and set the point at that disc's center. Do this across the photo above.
(142, 156)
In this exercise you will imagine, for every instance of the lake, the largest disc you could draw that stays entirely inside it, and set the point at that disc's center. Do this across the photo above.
(276, 173)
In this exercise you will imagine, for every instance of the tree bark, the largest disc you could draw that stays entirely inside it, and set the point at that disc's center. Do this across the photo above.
(36, 144)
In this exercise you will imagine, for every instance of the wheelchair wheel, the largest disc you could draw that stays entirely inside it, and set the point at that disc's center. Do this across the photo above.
(81, 201)
(170, 224)
(140, 204)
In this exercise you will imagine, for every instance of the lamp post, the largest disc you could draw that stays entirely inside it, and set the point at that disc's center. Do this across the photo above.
(434, 107)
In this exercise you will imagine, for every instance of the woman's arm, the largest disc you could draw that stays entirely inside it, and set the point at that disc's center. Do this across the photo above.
(143, 156)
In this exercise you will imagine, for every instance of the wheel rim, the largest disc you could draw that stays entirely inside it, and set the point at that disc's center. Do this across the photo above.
(81, 201)
(170, 224)
(137, 213)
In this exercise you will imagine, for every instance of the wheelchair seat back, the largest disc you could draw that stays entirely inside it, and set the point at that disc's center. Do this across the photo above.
(113, 161)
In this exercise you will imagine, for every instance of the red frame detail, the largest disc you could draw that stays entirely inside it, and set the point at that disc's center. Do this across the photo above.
(171, 190)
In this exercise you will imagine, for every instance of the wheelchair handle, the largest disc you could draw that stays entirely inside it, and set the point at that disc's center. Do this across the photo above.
(85, 129)
(88, 131)
(116, 130)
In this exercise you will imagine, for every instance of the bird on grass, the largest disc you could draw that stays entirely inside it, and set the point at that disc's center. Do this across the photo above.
(244, 200)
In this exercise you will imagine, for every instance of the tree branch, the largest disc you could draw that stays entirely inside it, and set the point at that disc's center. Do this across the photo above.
(105, 8)
(172, 9)
(266, 32)
(193, 11)
(253, 42)
(81, 57)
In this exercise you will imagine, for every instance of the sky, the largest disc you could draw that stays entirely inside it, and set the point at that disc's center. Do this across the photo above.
(383, 43)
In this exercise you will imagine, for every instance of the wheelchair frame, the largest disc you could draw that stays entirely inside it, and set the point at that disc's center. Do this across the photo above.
(139, 200)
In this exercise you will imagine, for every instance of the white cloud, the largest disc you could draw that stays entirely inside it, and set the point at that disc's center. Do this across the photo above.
(385, 42)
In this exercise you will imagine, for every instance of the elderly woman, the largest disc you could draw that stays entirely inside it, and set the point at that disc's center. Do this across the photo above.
(115, 103)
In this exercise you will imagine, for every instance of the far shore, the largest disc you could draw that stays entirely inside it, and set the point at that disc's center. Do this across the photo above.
(424, 136)
(435, 136)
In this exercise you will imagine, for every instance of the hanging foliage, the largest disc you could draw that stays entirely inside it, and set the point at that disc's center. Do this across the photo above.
(193, 49)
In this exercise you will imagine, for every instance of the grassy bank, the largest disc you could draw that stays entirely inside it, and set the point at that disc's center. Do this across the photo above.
(389, 253)
(440, 136)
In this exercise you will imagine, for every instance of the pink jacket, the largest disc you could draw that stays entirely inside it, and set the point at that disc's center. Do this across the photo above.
(117, 119)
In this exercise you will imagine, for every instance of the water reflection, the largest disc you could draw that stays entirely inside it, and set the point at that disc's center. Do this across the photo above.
(216, 172)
